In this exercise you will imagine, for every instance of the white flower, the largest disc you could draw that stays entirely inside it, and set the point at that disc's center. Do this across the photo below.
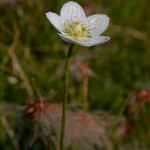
(76, 28)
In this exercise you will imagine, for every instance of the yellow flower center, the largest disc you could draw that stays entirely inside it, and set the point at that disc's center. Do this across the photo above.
(76, 29)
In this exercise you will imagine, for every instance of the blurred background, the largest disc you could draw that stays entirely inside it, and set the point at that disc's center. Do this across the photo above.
(113, 77)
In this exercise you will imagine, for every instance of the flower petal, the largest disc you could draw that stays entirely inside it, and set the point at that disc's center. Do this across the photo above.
(99, 23)
(68, 39)
(72, 9)
(55, 20)
(90, 41)
(95, 41)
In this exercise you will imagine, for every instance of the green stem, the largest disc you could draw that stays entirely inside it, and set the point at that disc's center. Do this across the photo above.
(65, 97)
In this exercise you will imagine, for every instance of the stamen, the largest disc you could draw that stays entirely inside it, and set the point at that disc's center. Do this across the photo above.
(76, 28)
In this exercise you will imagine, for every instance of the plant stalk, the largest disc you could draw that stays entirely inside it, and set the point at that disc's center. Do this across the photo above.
(64, 108)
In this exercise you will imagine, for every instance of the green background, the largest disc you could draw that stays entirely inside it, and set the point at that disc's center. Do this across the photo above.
(122, 65)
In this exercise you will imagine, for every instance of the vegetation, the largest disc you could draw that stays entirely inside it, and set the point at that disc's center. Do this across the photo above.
(113, 78)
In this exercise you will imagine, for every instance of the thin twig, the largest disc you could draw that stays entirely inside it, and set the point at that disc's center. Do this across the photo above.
(9, 132)
(17, 66)
(32, 138)
(134, 33)
(85, 92)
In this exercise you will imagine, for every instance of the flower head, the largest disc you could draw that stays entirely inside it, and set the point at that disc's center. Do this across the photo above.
(76, 28)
